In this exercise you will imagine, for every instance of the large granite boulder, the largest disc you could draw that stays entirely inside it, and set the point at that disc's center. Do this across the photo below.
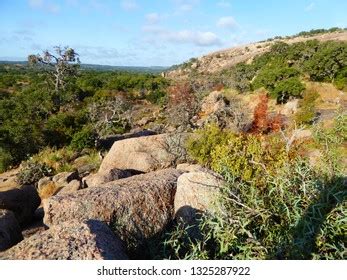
(65, 182)
(188, 167)
(64, 178)
(103, 177)
(140, 206)
(10, 231)
(22, 202)
(143, 154)
(196, 191)
(212, 103)
(72, 240)
(107, 142)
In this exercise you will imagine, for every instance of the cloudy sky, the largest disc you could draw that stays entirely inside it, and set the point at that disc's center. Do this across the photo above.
(154, 32)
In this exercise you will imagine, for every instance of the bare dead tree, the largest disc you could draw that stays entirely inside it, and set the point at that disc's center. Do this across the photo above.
(290, 137)
(61, 66)
(183, 105)
(108, 114)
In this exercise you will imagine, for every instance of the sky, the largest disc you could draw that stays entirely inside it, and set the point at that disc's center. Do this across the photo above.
(154, 32)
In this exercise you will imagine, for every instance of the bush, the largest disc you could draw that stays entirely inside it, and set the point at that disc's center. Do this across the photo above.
(250, 157)
(5, 160)
(66, 159)
(295, 215)
(285, 209)
(262, 122)
(331, 143)
(83, 139)
(307, 112)
(182, 106)
(32, 171)
(204, 141)
(341, 79)
(273, 73)
(246, 156)
(59, 129)
(327, 62)
(157, 97)
(286, 89)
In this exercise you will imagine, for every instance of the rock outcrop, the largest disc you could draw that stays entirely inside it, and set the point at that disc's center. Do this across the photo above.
(22, 202)
(107, 142)
(195, 193)
(143, 154)
(10, 232)
(140, 206)
(64, 178)
(100, 178)
(87, 240)
(187, 167)
(64, 182)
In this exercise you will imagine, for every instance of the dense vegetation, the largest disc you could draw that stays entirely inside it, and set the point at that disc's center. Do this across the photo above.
(282, 70)
(276, 203)
(30, 120)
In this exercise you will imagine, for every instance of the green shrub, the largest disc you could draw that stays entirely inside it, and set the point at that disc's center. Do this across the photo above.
(201, 145)
(331, 142)
(32, 171)
(296, 215)
(83, 139)
(307, 112)
(272, 73)
(157, 97)
(249, 157)
(329, 59)
(59, 129)
(292, 211)
(286, 89)
(246, 156)
(5, 160)
(340, 80)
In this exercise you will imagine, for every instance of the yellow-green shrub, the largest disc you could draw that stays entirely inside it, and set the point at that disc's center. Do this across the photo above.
(204, 141)
(246, 156)
(307, 110)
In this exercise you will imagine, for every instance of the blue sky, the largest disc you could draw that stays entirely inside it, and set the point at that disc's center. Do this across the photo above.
(157, 32)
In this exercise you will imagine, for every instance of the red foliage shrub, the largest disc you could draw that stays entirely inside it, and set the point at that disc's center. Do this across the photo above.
(276, 123)
(218, 87)
(181, 93)
(262, 123)
(182, 105)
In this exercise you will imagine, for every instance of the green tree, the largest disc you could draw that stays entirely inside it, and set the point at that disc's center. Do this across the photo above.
(61, 66)
(286, 89)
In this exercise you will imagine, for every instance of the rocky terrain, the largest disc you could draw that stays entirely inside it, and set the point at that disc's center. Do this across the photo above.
(223, 59)
(173, 153)
(78, 218)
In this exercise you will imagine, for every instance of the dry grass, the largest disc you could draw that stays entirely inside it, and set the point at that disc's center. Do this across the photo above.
(330, 96)
(49, 190)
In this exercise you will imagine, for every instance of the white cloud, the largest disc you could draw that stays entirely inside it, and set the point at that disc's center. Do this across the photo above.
(46, 6)
(197, 38)
(35, 3)
(186, 5)
(227, 22)
(310, 7)
(152, 18)
(224, 4)
(129, 5)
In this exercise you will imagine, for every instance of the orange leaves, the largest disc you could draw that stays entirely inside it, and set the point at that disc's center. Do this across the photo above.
(262, 122)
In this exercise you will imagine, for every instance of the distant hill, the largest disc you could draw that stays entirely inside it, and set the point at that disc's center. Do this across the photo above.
(217, 61)
(98, 67)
